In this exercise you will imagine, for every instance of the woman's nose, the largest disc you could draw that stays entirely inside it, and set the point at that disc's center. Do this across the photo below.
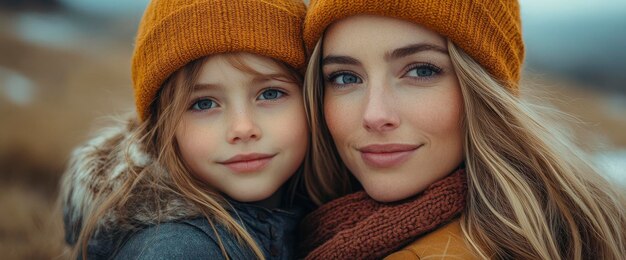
(380, 114)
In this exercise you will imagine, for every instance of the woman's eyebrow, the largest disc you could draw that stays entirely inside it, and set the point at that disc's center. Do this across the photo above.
(412, 49)
(344, 60)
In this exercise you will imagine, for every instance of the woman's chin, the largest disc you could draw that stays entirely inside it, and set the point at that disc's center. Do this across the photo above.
(386, 194)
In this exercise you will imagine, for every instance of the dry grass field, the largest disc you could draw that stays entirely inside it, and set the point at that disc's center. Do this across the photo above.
(51, 98)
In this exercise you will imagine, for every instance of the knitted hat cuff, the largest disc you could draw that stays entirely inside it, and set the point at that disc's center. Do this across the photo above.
(488, 31)
(212, 27)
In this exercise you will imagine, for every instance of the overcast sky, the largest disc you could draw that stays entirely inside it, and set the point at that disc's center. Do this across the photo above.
(529, 7)
(569, 8)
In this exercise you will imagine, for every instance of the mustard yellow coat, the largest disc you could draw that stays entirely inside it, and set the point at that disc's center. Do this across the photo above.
(444, 243)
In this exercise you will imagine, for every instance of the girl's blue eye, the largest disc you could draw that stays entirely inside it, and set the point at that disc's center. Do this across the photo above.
(345, 78)
(203, 104)
(270, 94)
(423, 71)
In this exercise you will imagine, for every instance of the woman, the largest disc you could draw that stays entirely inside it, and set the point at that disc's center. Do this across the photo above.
(418, 101)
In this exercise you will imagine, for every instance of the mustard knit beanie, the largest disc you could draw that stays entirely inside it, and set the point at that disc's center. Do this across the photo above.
(487, 30)
(173, 33)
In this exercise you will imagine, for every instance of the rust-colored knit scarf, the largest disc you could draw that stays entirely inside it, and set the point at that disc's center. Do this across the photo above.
(358, 227)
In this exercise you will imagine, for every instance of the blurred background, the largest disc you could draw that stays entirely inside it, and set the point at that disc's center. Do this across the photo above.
(65, 68)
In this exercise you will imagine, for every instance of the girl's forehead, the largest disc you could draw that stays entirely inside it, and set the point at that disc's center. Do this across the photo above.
(224, 66)
(243, 61)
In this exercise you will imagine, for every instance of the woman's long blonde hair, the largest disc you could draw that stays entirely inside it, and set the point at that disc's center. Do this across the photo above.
(157, 135)
(531, 192)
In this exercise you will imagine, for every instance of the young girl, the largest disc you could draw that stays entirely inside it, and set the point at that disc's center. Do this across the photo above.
(204, 170)
(418, 101)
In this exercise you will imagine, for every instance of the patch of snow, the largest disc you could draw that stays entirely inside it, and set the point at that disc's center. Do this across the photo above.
(17, 88)
(613, 165)
(616, 107)
(50, 30)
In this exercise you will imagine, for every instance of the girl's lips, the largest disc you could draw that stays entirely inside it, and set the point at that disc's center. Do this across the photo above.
(386, 155)
(246, 163)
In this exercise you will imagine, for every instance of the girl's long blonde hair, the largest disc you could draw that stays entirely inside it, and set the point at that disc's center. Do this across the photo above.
(531, 192)
(157, 135)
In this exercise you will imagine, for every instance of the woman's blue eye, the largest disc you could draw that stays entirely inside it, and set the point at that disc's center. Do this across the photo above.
(345, 78)
(271, 94)
(423, 71)
(203, 104)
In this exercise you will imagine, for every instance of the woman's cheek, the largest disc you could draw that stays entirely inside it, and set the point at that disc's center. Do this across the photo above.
(340, 114)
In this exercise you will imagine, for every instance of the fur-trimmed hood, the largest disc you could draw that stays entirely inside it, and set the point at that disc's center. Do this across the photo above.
(100, 167)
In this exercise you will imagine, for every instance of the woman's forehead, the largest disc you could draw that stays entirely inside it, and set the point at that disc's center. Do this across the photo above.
(375, 33)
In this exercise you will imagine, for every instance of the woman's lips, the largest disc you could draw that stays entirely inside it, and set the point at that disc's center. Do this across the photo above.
(246, 163)
(386, 155)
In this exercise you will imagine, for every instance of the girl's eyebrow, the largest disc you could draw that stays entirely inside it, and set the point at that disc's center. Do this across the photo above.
(344, 60)
(262, 78)
(412, 49)
(258, 79)
(206, 86)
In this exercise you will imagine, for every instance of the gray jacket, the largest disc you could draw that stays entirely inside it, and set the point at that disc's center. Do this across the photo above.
(157, 223)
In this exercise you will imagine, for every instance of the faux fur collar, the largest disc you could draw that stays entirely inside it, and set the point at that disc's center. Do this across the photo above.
(100, 167)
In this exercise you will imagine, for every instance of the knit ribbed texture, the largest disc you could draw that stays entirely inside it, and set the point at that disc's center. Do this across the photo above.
(173, 33)
(358, 227)
(487, 30)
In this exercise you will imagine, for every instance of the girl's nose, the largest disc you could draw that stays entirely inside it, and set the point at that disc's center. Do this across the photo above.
(243, 128)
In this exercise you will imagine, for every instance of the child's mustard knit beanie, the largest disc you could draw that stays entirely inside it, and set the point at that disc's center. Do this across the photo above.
(173, 33)
(489, 31)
